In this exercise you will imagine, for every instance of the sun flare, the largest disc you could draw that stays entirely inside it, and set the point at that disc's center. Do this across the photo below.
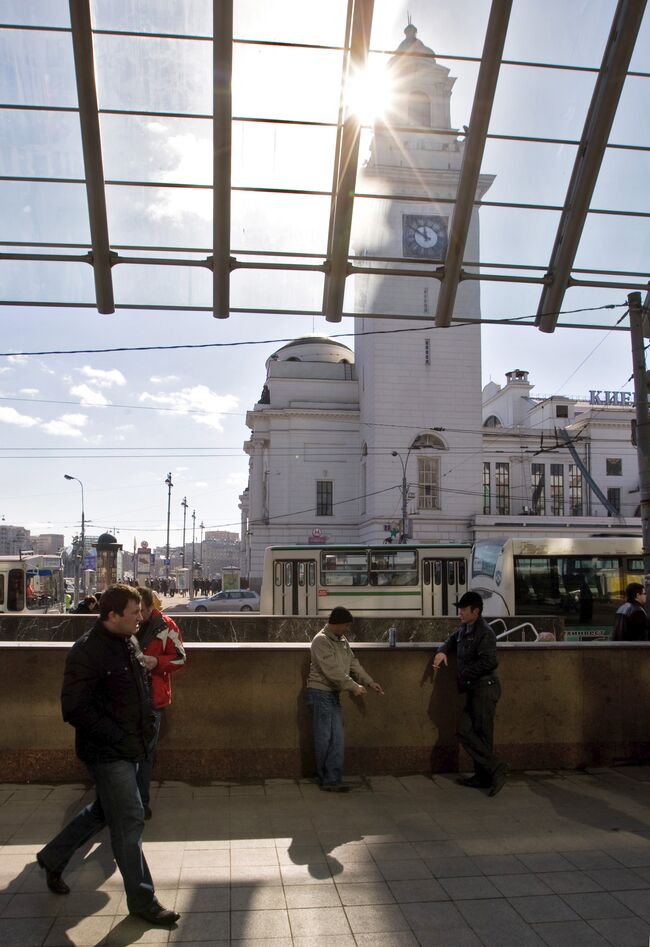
(370, 93)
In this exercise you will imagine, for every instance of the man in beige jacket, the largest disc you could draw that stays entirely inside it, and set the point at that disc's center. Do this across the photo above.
(333, 669)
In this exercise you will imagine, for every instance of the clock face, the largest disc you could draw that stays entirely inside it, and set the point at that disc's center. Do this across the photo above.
(424, 235)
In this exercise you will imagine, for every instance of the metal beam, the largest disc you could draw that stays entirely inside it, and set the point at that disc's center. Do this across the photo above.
(347, 160)
(593, 142)
(222, 156)
(84, 67)
(470, 170)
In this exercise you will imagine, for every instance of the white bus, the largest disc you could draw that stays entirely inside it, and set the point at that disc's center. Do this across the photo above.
(582, 580)
(31, 584)
(376, 581)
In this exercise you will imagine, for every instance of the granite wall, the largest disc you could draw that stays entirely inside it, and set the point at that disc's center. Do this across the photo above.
(239, 711)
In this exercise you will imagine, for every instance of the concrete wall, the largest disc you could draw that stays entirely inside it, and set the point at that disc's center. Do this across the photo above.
(238, 711)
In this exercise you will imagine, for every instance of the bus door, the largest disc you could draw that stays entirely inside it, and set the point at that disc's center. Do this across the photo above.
(443, 581)
(294, 587)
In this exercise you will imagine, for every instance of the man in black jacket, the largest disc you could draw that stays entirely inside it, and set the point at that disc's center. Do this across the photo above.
(476, 658)
(107, 698)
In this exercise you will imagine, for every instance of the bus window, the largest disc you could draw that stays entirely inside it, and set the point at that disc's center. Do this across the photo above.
(485, 557)
(278, 573)
(2, 588)
(288, 574)
(438, 572)
(451, 572)
(301, 573)
(343, 567)
(312, 573)
(16, 590)
(397, 567)
(426, 572)
(462, 573)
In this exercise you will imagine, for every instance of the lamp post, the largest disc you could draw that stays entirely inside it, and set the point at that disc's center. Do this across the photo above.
(169, 483)
(79, 565)
(201, 527)
(193, 539)
(405, 486)
(184, 505)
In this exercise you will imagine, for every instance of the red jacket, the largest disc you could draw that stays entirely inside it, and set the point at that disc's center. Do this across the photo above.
(161, 638)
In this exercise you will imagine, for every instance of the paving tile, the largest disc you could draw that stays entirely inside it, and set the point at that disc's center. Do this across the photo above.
(424, 889)
(545, 861)
(315, 921)
(393, 939)
(461, 937)
(591, 859)
(499, 864)
(438, 849)
(623, 932)
(323, 940)
(392, 851)
(440, 916)
(305, 874)
(570, 934)
(195, 900)
(638, 857)
(497, 924)
(33, 905)
(24, 932)
(570, 882)
(312, 896)
(461, 889)
(594, 906)
(205, 925)
(355, 872)
(513, 886)
(368, 893)
(618, 879)
(80, 931)
(637, 901)
(259, 924)
(376, 918)
(452, 867)
(404, 869)
(543, 908)
(252, 898)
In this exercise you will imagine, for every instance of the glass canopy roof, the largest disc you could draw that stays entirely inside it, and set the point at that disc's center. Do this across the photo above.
(210, 155)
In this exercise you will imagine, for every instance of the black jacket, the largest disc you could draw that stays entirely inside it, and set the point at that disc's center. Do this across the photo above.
(106, 697)
(476, 653)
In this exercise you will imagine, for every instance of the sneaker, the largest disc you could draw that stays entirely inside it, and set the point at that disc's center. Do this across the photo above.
(157, 914)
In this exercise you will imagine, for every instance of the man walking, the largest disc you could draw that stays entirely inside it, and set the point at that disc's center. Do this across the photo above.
(632, 622)
(332, 668)
(106, 697)
(475, 646)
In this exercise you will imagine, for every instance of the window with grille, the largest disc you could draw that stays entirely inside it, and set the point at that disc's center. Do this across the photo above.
(614, 467)
(502, 488)
(487, 489)
(557, 490)
(428, 483)
(427, 351)
(575, 490)
(324, 498)
(614, 498)
(561, 410)
(538, 499)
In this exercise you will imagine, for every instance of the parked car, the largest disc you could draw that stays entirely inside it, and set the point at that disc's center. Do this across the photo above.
(235, 600)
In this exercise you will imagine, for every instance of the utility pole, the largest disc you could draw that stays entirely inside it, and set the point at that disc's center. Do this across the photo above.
(193, 540)
(641, 380)
(201, 527)
(184, 505)
(169, 483)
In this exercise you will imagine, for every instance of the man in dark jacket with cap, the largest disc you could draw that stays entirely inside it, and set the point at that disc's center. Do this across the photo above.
(475, 646)
(333, 669)
(107, 698)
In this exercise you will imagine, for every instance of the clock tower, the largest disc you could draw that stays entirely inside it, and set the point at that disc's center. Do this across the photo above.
(419, 387)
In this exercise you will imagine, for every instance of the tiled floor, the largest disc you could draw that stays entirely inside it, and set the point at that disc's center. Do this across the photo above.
(556, 859)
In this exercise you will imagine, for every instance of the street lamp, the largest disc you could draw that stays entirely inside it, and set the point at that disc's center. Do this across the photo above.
(201, 527)
(79, 567)
(405, 487)
(169, 483)
(184, 505)
(193, 538)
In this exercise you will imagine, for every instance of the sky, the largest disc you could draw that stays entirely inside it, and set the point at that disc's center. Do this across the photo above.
(120, 422)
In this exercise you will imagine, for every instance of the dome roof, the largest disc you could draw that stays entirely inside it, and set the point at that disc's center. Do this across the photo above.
(106, 539)
(313, 348)
(411, 44)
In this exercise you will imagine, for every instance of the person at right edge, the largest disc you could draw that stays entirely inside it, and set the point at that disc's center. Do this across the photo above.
(632, 622)
(475, 646)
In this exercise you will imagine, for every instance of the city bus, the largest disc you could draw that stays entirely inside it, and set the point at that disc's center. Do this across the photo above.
(375, 581)
(581, 580)
(31, 584)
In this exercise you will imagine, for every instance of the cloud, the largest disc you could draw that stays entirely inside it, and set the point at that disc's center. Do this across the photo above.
(200, 403)
(190, 158)
(181, 469)
(68, 425)
(160, 380)
(238, 478)
(17, 359)
(29, 391)
(201, 484)
(87, 395)
(125, 427)
(4, 369)
(11, 416)
(102, 378)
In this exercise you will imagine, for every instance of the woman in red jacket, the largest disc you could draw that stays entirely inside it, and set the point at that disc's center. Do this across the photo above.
(162, 645)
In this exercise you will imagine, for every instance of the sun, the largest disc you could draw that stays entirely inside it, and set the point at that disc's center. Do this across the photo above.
(370, 92)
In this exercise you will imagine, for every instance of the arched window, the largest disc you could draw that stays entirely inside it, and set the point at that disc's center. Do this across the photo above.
(492, 421)
(419, 109)
(429, 440)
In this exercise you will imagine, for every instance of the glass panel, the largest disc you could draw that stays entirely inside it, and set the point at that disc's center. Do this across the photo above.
(294, 21)
(279, 222)
(288, 574)
(451, 573)
(516, 166)
(162, 286)
(175, 217)
(622, 180)
(585, 590)
(275, 155)
(462, 572)
(2, 588)
(312, 573)
(15, 590)
(38, 68)
(627, 129)
(613, 242)
(340, 567)
(275, 289)
(518, 87)
(35, 281)
(41, 144)
(397, 567)
(301, 573)
(426, 572)
(169, 150)
(438, 572)
(278, 573)
(51, 213)
(36, 12)
(534, 32)
(152, 16)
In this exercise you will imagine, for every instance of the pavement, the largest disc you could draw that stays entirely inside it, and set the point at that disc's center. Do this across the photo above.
(557, 858)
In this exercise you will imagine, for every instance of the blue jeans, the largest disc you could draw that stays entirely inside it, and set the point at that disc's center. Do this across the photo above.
(145, 767)
(329, 741)
(117, 805)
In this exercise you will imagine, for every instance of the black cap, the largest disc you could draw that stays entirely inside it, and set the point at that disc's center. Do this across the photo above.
(339, 616)
(469, 600)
